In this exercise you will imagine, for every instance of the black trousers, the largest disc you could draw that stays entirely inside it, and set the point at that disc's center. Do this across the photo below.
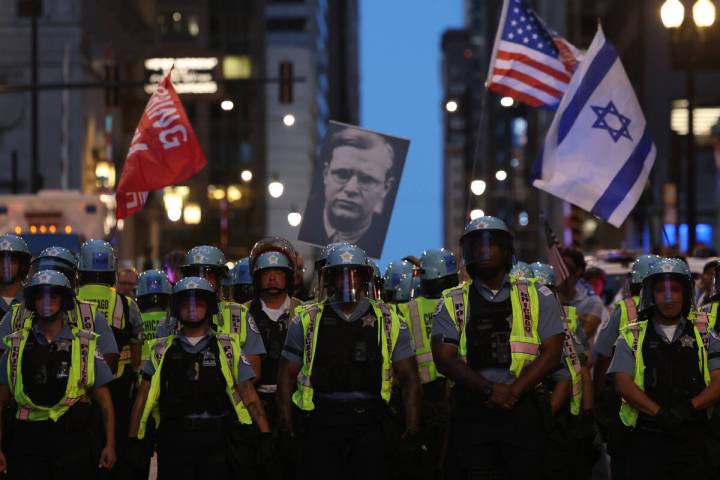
(51, 450)
(661, 457)
(122, 394)
(488, 443)
(217, 452)
(344, 441)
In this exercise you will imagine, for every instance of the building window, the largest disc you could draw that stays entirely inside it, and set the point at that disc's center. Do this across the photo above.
(291, 24)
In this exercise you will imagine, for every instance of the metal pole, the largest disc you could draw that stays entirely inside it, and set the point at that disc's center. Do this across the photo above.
(690, 194)
(34, 184)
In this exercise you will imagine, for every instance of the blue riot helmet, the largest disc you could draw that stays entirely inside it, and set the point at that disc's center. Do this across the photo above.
(487, 247)
(206, 261)
(97, 263)
(639, 270)
(399, 281)
(438, 272)
(45, 284)
(192, 291)
(59, 259)
(347, 274)
(268, 261)
(668, 280)
(240, 281)
(320, 263)
(377, 280)
(544, 273)
(153, 290)
(14, 259)
(521, 271)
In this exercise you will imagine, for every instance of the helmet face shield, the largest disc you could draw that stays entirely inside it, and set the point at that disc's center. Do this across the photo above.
(434, 288)
(242, 293)
(191, 306)
(669, 294)
(485, 246)
(347, 284)
(49, 263)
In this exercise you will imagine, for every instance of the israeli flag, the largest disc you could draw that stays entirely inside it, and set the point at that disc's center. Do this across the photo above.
(598, 152)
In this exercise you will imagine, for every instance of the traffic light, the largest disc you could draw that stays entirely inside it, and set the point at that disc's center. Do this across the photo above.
(286, 82)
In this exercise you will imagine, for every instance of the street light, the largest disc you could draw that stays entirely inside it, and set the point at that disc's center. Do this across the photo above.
(477, 213)
(507, 102)
(294, 218)
(704, 13)
(227, 105)
(451, 106)
(477, 187)
(276, 188)
(246, 175)
(501, 175)
(192, 214)
(289, 120)
(672, 14)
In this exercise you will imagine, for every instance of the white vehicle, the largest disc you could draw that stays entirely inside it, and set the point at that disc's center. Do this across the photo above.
(64, 218)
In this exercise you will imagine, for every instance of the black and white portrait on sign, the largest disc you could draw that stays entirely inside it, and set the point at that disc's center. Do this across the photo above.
(354, 188)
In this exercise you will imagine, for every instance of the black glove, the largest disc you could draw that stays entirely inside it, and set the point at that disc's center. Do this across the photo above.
(683, 412)
(137, 454)
(266, 452)
(668, 423)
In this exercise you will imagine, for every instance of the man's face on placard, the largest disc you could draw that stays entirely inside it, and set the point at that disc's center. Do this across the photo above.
(357, 181)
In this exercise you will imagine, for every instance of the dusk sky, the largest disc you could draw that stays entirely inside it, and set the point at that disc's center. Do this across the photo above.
(400, 90)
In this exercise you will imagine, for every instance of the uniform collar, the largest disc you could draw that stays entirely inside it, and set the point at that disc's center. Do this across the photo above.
(481, 285)
(360, 310)
(65, 332)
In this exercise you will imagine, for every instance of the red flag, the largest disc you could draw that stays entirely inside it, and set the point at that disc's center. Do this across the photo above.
(164, 151)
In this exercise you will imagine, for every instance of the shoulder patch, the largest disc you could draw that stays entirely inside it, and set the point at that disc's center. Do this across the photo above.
(99, 355)
(544, 290)
(252, 325)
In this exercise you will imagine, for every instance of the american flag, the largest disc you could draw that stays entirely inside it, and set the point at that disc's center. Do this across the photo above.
(554, 255)
(530, 62)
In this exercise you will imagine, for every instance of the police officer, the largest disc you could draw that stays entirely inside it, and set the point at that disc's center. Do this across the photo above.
(200, 384)
(61, 260)
(239, 282)
(590, 308)
(14, 265)
(438, 272)
(51, 369)
(272, 308)
(666, 369)
(568, 399)
(153, 295)
(97, 266)
(608, 402)
(320, 261)
(208, 262)
(496, 338)
(344, 353)
(399, 282)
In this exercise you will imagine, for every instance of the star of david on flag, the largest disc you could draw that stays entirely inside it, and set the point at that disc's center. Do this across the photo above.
(530, 62)
(598, 152)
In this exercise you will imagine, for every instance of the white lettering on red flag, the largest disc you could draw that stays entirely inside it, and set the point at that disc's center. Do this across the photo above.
(164, 151)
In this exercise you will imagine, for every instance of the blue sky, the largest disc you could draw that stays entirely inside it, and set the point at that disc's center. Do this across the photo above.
(400, 94)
